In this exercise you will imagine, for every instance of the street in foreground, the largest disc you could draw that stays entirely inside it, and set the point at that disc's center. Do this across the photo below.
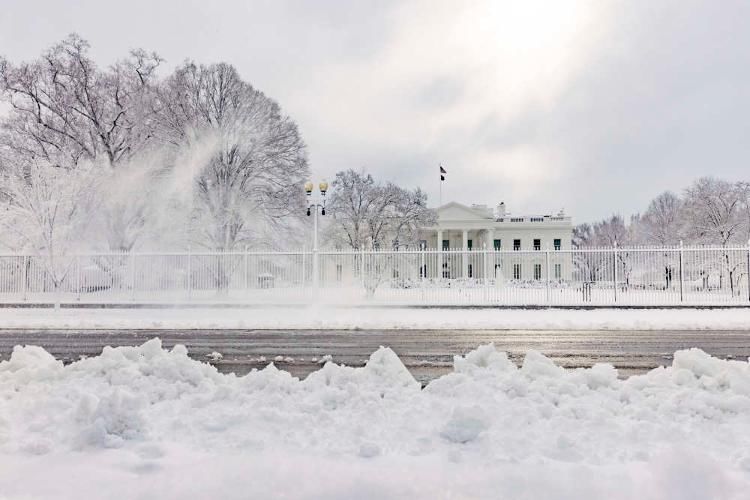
(427, 354)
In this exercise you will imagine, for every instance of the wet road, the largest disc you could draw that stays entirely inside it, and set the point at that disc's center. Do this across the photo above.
(427, 354)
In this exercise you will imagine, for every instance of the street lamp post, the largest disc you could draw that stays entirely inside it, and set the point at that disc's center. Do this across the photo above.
(313, 206)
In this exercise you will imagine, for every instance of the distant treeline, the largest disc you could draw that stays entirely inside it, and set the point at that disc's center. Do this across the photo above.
(709, 212)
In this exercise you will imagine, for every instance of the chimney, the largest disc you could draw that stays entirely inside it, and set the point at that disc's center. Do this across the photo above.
(501, 209)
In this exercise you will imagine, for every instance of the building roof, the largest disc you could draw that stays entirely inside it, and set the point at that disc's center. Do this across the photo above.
(457, 215)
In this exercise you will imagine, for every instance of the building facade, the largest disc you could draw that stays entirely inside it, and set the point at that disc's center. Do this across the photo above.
(461, 229)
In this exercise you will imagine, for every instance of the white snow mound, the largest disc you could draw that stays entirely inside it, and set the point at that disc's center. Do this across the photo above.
(488, 426)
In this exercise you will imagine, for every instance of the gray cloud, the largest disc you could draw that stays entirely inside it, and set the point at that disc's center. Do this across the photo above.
(594, 106)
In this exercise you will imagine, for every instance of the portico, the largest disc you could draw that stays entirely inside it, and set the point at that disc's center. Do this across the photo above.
(461, 230)
(459, 243)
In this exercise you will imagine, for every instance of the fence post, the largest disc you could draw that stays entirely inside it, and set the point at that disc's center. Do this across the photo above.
(682, 276)
(546, 258)
(486, 273)
(362, 267)
(244, 267)
(132, 275)
(422, 270)
(25, 276)
(614, 274)
(316, 270)
(78, 278)
(189, 274)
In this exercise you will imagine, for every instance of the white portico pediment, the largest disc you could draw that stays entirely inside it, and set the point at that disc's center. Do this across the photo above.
(454, 211)
(454, 215)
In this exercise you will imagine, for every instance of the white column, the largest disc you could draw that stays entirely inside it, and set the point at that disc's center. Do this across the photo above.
(466, 253)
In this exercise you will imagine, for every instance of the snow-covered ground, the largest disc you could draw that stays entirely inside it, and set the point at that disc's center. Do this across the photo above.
(143, 422)
(312, 317)
(457, 292)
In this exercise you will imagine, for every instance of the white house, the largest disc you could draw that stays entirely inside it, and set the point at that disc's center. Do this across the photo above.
(465, 228)
(476, 227)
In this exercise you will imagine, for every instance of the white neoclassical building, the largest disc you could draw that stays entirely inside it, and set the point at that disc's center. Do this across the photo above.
(478, 226)
(465, 228)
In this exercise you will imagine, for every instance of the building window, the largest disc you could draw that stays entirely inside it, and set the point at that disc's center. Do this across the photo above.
(516, 219)
(516, 244)
(446, 244)
(497, 244)
(537, 244)
(422, 244)
(537, 219)
(516, 271)
(537, 271)
(558, 243)
(469, 244)
(558, 271)
(471, 271)
(339, 272)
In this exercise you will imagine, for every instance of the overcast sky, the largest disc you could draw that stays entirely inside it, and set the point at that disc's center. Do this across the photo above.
(591, 106)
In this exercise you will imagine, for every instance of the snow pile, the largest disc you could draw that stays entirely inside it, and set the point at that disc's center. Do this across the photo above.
(160, 425)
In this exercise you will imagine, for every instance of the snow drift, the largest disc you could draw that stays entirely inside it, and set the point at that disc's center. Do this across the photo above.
(158, 424)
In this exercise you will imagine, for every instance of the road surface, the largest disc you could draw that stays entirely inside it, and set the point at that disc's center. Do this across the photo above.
(427, 354)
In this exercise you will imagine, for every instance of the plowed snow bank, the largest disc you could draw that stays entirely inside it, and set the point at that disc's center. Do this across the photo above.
(151, 423)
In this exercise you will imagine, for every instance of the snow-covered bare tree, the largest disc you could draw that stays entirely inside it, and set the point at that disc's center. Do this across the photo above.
(663, 225)
(65, 110)
(45, 211)
(250, 183)
(583, 235)
(604, 233)
(743, 189)
(663, 221)
(367, 214)
(713, 209)
(408, 215)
